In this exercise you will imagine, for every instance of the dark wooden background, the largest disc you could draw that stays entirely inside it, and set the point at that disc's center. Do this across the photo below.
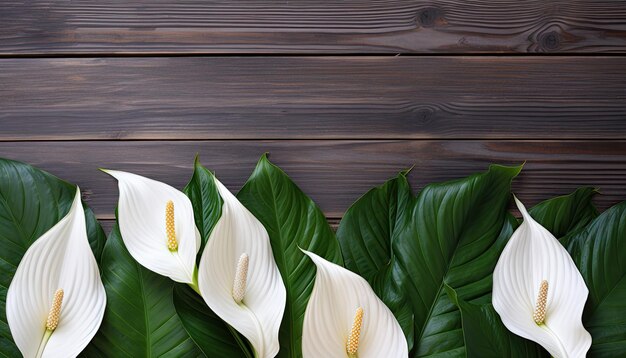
(342, 94)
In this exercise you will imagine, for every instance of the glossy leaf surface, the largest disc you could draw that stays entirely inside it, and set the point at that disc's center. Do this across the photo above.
(212, 334)
(566, 214)
(599, 252)
(293, 221)
(445, 235)
(485, 335)
(31, 202)
(140, 319)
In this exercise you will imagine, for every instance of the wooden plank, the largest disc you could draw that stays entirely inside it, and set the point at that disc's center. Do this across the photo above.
(390, 26)
(334, 173)
(313, 98)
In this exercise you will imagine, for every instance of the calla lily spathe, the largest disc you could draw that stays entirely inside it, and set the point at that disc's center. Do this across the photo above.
(157, 226)
(55, 302)
(238, 277)
(345, 318)
(538, 291)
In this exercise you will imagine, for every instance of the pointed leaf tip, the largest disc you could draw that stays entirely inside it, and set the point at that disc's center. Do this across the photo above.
(515, 170)
(406, 172)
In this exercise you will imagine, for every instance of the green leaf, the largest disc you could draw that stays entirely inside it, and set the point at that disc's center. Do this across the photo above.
(205, 200)
(373, 219)
(140, 319)
(31, 202)
(446, 235)
(486, 336)
(599, 252)
(484, 333)
(365, 238)
(566, 214)
(211, 334)
(292, 221)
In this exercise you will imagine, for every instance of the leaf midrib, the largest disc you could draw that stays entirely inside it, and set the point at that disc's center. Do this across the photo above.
(448, 266)
(434, 301)
(145, 310)
(284, 263)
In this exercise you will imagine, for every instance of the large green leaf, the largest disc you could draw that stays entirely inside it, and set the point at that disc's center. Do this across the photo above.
(485, 335)
(566, 214)
(31, 202)
(365, 237)
(483, 331)
(599, 252)
(446, 235)
(205, 200)
(293, 221)
(140, 319)
(211, 334)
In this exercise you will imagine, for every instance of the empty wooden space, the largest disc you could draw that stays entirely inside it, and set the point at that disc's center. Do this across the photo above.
(390, 26)
(342, 94)
(313, 97)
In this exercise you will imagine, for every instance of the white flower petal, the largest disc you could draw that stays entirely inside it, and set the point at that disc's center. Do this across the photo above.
(532, 255)
(331, 311)
(141, 217)
(258, 317)
(60, 259)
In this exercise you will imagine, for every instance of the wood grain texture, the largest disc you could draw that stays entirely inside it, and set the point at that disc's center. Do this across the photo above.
(334, 173)
(200, 26)
(313, 98)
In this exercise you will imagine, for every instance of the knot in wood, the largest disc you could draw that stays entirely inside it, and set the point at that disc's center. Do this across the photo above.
(428, 17)
(550, 41)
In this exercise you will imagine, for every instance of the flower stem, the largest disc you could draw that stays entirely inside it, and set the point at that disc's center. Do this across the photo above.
(44, 341)
(195, 287)
(194, 284)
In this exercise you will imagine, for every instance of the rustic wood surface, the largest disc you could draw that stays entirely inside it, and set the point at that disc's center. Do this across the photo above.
(334, 173)
(313, 98)
(144, 85)
(353, 26)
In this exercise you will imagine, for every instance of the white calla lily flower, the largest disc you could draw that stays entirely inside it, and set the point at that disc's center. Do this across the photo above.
(345, 318)
(238, 277)
(157, 226)
(55, 302)
(538, 291)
